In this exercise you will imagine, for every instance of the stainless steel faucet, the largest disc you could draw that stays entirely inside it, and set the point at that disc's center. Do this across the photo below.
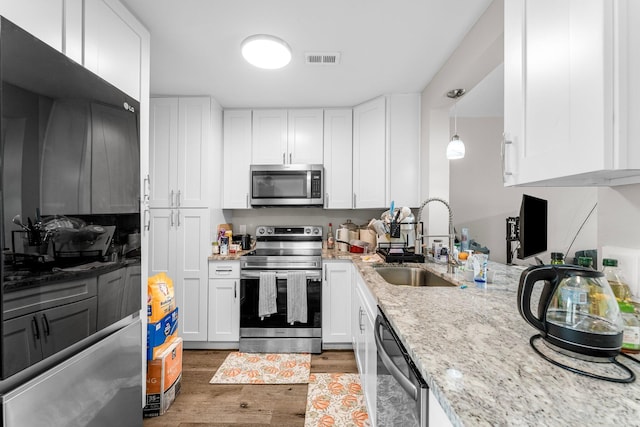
(419, 237)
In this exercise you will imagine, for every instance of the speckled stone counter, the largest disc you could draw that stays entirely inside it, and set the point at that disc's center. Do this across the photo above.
(472, 347)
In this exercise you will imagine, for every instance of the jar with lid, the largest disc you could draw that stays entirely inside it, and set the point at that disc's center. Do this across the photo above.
(614, 276)
(631, 332)
(557, 258)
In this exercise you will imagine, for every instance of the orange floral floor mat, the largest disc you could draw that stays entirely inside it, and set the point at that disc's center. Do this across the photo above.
(335, 400)
(263, 368)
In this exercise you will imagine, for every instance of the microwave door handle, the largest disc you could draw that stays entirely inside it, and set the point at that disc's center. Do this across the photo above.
(404, 382)
(308, 184)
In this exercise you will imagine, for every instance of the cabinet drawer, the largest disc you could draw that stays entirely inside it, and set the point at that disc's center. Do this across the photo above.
(224, 269)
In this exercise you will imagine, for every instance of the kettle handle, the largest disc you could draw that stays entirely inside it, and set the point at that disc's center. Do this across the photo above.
(528, 278)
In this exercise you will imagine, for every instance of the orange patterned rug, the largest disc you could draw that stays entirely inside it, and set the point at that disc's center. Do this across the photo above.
(335, 400)
(263, 368)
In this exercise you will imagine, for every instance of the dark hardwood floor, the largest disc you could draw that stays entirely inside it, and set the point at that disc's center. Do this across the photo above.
(202, 404)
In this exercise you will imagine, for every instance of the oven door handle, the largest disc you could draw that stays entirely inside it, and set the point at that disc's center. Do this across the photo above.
(313, 275)
(396, 373)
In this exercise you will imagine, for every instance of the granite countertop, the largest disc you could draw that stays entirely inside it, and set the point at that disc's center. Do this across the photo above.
(16, 280)
(472, 347)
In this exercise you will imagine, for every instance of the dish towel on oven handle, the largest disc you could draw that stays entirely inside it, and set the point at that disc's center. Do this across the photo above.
(267, 293)
(296, 297)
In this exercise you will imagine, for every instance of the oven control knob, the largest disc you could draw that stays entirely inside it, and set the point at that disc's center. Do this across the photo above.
(307, 230)
(260, 230)
(316, 230)
(269, 230)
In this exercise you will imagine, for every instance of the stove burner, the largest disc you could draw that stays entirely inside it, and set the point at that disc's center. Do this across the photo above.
(629, 378)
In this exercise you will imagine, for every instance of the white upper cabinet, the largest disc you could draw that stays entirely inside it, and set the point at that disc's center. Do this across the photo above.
(338, 146)
(403, 119)
(237, 159)
(304, 144)
(571, 93)
(42, 18)
(287, 137)
(179, 138)
(370, 154)
(112, 49)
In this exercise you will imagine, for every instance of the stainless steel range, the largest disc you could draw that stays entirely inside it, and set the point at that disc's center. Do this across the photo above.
(281, 291)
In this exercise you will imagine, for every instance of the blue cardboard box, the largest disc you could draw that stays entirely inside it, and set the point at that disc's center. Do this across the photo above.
(161, 334)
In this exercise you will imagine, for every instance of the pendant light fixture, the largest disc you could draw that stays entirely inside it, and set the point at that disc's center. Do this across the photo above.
(265, 51)
(455, 148)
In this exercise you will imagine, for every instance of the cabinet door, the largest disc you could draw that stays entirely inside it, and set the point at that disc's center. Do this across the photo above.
(336, 303)
(67, 324)
(304, 143)
(404, 149)
(132, 296)
(371, 364)
(224, 310)
(338, 166)
(194, 136)
(21, 345)
(110, 293)
(163, 151)
(162, 242)
(370, 154)
(562, 65)
(42, 18)
(115, 161)
(191, 283)
(112, 49)
(269, 143)
(237, 159)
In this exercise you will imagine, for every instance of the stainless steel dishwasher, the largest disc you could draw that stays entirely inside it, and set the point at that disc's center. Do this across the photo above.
(401, 392)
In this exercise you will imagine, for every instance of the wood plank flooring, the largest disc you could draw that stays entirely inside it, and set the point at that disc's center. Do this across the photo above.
(202, 404)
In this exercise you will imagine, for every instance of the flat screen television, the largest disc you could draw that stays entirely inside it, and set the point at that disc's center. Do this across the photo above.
(533, 226)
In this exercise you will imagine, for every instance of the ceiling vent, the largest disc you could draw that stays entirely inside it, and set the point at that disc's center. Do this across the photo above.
(327, 58)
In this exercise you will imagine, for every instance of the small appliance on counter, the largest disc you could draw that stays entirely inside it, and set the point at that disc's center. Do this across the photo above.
(577, 316)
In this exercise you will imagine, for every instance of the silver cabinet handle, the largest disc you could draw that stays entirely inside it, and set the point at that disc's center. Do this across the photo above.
(235, 293)
(284, 159)
(326, 200)
(178, 198)
(290, 158)
(146, 184)
(178, 216)
(171, 218)
(325, 273)
(360, 325)
(503, 156)
(146, 220)
(354, 200)
(171, 198)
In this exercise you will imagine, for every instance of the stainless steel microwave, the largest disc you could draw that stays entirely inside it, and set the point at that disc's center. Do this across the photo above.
(287, 185)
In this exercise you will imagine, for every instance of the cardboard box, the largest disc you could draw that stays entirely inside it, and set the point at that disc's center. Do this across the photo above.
(164, 377)
(161, 334)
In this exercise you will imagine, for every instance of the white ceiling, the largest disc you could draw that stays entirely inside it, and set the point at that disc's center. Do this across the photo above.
(387, 46)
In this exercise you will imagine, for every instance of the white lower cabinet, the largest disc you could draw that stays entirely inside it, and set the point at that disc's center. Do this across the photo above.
(364, 345)
(179, 246)
(336, 303)
(224, 301)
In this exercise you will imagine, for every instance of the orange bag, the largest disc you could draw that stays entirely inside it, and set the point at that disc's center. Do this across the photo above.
(160, 297)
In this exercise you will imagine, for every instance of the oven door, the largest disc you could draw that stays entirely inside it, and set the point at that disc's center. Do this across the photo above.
(251, 324)
(401, 393)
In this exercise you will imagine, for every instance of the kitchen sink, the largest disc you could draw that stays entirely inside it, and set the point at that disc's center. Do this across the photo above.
(411, 276)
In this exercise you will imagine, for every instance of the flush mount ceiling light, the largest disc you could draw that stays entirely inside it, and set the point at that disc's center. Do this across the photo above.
(265, 51)
(455, 148)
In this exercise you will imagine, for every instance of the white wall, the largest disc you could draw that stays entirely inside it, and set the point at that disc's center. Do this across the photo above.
(480, 202)
(619, 216)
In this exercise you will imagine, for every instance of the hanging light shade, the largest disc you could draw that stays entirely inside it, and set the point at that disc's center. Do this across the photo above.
(455, 148)
(265, 51)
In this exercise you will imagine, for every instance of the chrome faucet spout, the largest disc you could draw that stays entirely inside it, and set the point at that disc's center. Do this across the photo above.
(419, 237)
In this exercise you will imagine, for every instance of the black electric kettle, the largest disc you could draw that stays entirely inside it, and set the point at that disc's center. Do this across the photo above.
(577, 310)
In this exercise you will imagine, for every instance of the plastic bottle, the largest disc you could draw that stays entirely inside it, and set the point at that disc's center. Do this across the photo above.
(330, 238)
(618, 284)
(464, 239)
(631, 334)
(585, 261)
